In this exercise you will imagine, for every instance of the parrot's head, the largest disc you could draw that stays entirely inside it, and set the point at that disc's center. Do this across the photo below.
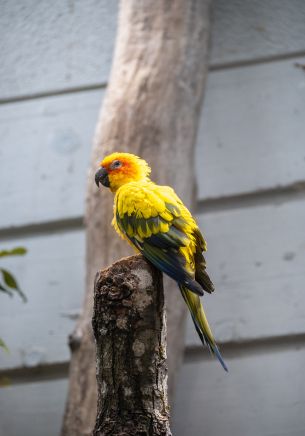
(120, 168)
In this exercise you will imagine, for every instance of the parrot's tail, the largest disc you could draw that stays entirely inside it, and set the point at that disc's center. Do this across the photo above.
(201, 323)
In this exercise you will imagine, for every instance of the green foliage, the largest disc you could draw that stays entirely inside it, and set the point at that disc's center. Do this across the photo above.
(8, 283)
(11, 285)
(3, 345)
(18, 251)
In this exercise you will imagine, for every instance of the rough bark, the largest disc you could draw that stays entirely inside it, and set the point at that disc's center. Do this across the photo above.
(130, 332)
(151, 108)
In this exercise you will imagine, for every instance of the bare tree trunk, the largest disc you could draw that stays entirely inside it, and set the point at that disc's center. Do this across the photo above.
(130, 330)
(152, 109)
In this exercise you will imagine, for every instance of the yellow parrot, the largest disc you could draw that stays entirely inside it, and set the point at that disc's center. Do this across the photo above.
(154, 220)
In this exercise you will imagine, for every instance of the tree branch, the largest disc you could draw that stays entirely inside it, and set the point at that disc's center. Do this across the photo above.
(151, 108)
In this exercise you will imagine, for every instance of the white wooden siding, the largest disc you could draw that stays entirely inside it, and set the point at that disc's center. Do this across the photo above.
(33, 409)
(46, 149)
(252, 30)
(250, 158)
(59, 45)
(252, 132)
(52, 277)
(241, 146)
(256, 257)
(52, 46)
(261, 395)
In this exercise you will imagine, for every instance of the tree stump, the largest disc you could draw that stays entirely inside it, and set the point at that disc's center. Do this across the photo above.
(130, 333)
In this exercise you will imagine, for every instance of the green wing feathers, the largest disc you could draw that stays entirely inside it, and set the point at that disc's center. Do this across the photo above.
(201, 275)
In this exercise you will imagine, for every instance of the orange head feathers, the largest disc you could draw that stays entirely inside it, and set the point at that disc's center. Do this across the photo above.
(120, 168)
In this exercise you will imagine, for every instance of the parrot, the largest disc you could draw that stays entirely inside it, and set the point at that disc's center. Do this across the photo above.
(154, 220)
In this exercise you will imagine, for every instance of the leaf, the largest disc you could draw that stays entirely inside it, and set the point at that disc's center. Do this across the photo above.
(3, 345)
(11, 282)
(17, 251)
(9, 279)
(5, 290)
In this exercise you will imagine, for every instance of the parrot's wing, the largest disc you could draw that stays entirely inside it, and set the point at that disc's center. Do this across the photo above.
(160, 229)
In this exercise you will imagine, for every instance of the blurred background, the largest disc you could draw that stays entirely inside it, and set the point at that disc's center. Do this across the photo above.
(250, 169)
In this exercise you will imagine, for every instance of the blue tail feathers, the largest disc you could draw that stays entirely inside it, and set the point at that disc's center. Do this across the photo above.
(219, 357)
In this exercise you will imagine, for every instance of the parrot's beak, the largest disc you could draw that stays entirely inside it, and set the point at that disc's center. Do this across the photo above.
(101, 176)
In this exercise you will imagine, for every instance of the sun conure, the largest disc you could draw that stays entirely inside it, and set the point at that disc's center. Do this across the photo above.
(155, 221)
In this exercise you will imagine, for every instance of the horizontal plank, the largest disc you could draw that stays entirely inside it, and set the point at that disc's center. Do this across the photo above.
(256, 258)
(46, 146)
(51, 275)
(262, 395)
(54, 46)
(250, 138)
(32, 409)
(252, 128)
(63, 46)
(247, 30)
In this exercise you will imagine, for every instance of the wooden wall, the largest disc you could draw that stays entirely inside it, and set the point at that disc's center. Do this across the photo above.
(250, 165)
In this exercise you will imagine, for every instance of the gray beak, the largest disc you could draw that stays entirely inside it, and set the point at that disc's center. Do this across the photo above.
(101, 176)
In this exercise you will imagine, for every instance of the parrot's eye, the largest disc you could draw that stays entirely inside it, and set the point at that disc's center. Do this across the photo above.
(116, 164)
